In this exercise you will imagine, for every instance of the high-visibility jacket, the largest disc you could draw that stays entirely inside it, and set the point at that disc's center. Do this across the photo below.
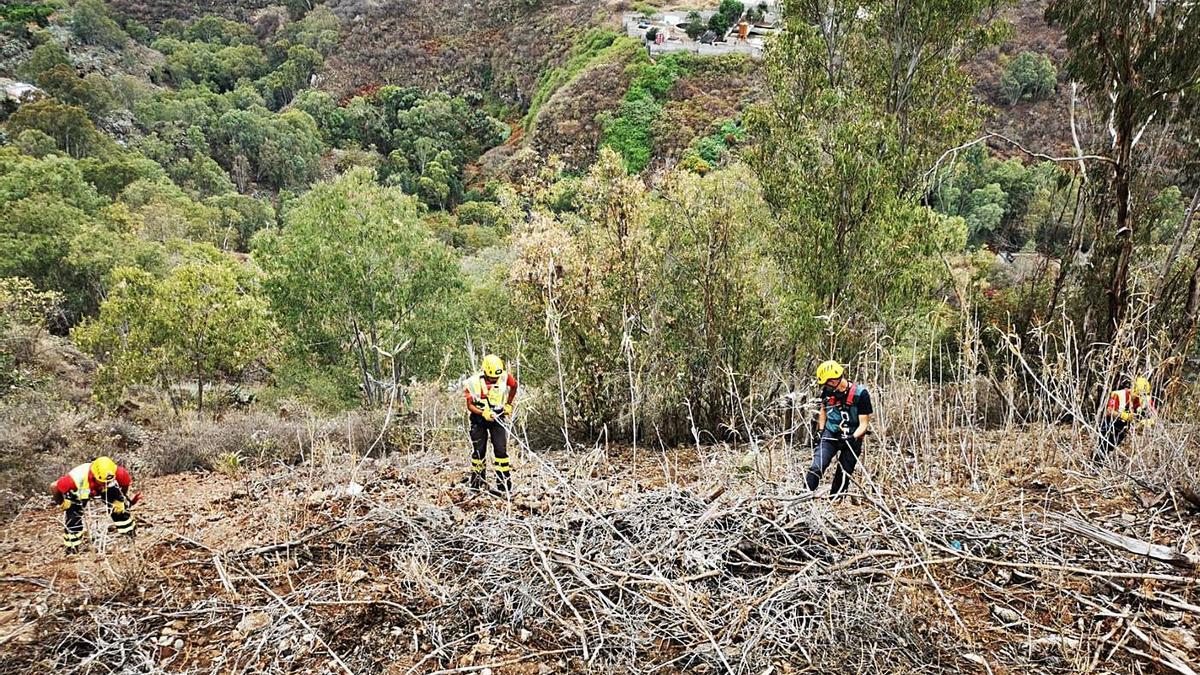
(493, 395)
(1125, 404)
(80, 484)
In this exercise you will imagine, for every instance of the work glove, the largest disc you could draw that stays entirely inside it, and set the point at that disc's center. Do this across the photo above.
(508, 410)
(1146, 423)
(488, 415)
(66, 504)
(1126, 416)
(118, 508)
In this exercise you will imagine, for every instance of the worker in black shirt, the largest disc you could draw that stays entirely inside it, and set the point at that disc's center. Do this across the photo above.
(844, 418)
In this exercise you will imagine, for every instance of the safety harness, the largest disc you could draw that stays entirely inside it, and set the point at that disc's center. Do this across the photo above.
(844, 407)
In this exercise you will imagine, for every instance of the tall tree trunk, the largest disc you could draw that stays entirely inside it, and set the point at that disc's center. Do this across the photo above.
(1180, 236)
(1073, 249)
(1118, 289)
(199, 392)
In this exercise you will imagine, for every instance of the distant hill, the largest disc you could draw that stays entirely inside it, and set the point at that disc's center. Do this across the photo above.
(1043, 126)
(154, 12)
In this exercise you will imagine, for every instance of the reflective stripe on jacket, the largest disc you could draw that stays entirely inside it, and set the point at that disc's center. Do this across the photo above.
(81, 476)
(493, 394)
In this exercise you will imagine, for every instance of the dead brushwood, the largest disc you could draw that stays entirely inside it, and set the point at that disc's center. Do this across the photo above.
(587, 574)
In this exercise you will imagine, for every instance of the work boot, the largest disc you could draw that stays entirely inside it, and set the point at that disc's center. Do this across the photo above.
(503, 484)
(477, 481)
(73, 541)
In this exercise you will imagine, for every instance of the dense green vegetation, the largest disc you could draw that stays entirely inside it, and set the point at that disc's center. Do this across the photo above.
(727, 15)
(16, 17)
(207, 217)
(588, 47)
(630, 132)
(1028, 77)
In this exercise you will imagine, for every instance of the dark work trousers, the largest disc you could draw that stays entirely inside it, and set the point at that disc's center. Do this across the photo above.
(847, 451)
(1112, 435)
(481, 429)
(73, 517)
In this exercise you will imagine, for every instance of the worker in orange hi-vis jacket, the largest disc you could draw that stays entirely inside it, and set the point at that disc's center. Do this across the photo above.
(101, 478)
(1124, 405)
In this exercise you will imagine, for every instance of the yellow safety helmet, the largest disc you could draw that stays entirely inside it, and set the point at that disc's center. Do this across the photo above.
(1141, 387)
(829, 370)
(493, 366)
(104, 470)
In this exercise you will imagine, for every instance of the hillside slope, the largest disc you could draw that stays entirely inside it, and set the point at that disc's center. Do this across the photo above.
(499, 47)
(611, 563)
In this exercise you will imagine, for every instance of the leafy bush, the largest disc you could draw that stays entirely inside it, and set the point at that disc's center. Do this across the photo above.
(1029, 77)
(630, 131)
(712, 149)
(216, 65)
(590, 46)
(726, 16)
(241, 216)
(43, 58)
(218, 30)
(290, 77)
(35, 143)
(202, 321)
(93, 92)
(68, 125)
(695, 25)
(92, 23)
(995, 197)
(352, 272)
(15, 17)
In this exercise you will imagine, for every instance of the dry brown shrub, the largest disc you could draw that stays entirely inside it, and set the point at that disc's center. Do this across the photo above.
(40, 436)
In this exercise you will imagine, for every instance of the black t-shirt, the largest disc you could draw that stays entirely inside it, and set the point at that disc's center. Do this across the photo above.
(862, 401)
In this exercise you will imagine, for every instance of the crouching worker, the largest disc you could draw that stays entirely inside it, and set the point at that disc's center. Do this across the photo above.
(844, 418)
(490, 395)
(1123, 407)
(102, 479)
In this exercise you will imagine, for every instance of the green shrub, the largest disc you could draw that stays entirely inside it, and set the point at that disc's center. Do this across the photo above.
(630, 131)
(1029, 77)
(727, 15)
(695, 25)
(68, 125)
(15, 17)
(43, 58)
(589, 47)
(93, 92)
(35, 143)
(92, 24)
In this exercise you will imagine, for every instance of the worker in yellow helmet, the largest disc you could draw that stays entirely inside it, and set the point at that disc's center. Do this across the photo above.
(490, 394)
(843, 420)
(100, 478)
(1124, 406)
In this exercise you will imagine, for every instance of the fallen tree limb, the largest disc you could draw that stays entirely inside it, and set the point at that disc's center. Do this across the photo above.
(1136, 546)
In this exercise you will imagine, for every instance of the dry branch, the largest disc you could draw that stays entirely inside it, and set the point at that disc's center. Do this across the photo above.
(1135, 546)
